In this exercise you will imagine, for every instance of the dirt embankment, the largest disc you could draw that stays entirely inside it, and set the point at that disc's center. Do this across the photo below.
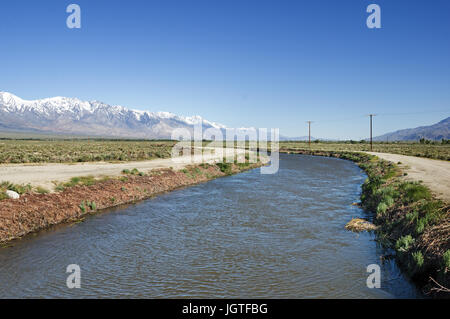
(33, 212)
(434, 173)
(47, 175)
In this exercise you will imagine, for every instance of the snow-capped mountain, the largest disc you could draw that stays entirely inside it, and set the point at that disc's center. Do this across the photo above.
(62, 115)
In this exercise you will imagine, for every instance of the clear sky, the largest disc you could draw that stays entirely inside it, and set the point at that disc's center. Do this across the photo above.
(273, 64)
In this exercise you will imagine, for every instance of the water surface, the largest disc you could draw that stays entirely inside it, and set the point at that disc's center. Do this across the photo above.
(243, 236)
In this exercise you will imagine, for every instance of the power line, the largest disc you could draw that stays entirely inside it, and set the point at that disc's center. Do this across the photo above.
(382, 114)
(414, 113)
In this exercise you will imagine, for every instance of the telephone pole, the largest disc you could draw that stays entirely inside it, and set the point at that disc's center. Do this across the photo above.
(309, 133)
(371, 116)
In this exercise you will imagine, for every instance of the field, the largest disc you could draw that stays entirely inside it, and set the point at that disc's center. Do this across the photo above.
(435, 151)
(73, 151)
(94, 150)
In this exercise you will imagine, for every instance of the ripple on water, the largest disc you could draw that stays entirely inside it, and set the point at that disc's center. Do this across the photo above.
(248, 235)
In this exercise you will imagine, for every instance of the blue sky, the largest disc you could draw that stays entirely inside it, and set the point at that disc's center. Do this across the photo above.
(273, 64)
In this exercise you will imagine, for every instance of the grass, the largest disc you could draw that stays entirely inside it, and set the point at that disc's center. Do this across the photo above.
(42, 190)
(74, 151)
(417, 262)
(3, 195)
(407, 217)
(80, 181)
(446, 261)
(436, 151)
(225, 167)
(78, 150)
(359, 225)
(20, 189)
(192, 172)
(134, 171)
(85, 205)
(404, 243)
(414, 191)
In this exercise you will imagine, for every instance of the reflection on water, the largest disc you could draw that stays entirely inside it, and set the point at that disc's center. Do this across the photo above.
(248, 235)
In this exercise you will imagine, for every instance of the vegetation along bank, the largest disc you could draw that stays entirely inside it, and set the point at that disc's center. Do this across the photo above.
(409, 220)
(37, 209)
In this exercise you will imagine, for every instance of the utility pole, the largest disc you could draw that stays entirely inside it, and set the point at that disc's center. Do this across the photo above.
(309, 133)
(371, 116)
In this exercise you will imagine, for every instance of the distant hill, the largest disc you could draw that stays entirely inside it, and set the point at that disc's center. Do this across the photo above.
(299, 138)
(435, 132)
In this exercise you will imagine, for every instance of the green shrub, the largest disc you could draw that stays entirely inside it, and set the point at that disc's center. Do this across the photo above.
(446, 260)
(60, 188)
(418, 259)
(429, 213)
(371, 193)
(416, 263)
(80, 180)
(381, 208)
(74, 180)
(225, 167)
(87, 180)
(19, 189)
(413, 192)
(420, 226)
(87, 204)
(3, 195)
(412, 216)
(42, 190)
(92, 206)
(404, 243)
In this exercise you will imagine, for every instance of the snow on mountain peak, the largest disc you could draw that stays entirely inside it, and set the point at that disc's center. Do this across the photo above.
(73, 113)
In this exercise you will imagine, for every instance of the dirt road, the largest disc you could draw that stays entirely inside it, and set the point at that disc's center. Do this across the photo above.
(434, 173)
(45, 175)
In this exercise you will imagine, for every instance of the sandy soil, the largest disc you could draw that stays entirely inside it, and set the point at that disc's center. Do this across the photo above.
(45, 175)
(434, 173)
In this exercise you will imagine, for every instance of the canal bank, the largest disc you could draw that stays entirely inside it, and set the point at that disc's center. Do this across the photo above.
(410, 220)
(242, 236)
(83, 196)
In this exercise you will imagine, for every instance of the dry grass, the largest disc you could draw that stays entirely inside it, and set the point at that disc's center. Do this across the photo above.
(435, 151)
(73, 151)
(359, 225)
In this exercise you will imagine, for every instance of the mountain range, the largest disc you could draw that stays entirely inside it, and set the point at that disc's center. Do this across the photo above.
(434, 132)
(74, 117)
(71, 116)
